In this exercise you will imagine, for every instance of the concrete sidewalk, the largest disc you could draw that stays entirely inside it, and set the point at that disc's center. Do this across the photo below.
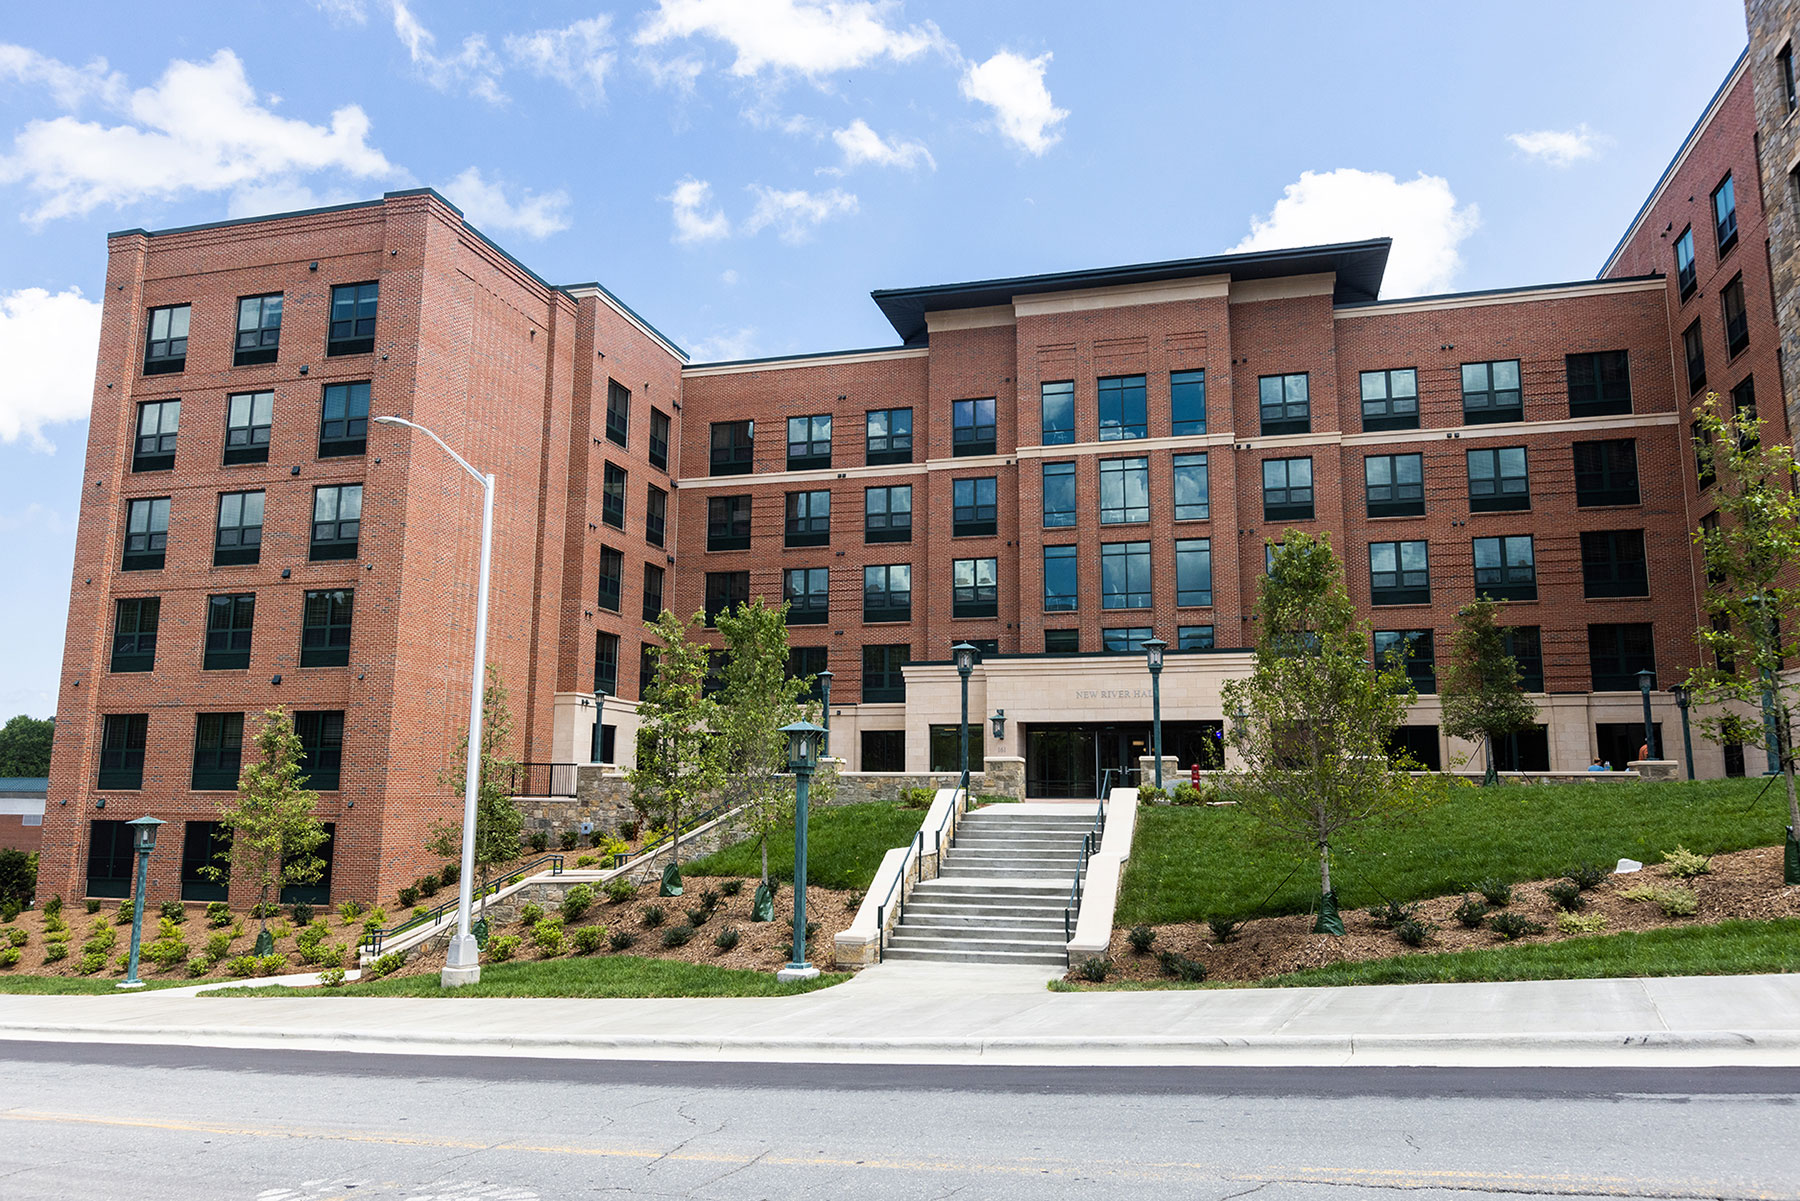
(937, 1013)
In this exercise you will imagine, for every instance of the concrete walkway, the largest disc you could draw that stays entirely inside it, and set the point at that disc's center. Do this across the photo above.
(947, 1013)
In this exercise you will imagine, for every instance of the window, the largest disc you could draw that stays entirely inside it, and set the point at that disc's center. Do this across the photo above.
(1125, 575)
(352, 329)
(248, 419)
(1599, 384)
(1056, 402)
(656, 515)
(606, 664)
(646, 669)
(1606, 473)
(228, 623)
(1187, 402)
(1059, 495)
(1737, 320)
(1419, 744)
(1498, 480)
(110, 859)
(659, 439)
(975, 588)
(1612, 563)
(809, 442)
(1616, 653)
(612, 496)
(146, 534)
(166, 339)
(806, 591)
(134, 633)
(725, 590)
(1506, 568)
(1491, 392)
(1062, 642)
(733, 444)
(1394, 485)
(1194, 638)
(336, 521)
(1724, 207)
(1695, 351)
(947, 747)
(203, 845)
(344, 420)
(1414, 650)
(883, 750)
(887, 593)
(218, 751)
(887, 514)
(1703, 455)
(1125, 640)
(1526, 645)
(612, 578)
(325, 627)
(1709, 535)
(1192, 501)
(1122, 409)
(887, 436)
(318, 892)
(1390, 399)
(975, 507)
(1399, 573)
(258, 330)
(808, 518)
(1193, 572)
(154, 448)
(727, 523)
(1684, 262)
(321, 737)
(1287, 489)
(1286, 404)
(1062, 586)
(1124, 491)
(122, 739)
(805, 663)
(972, 427)
(618, 411)
(1784, 70)
(882, 679)
(238, 539)
(653, 591)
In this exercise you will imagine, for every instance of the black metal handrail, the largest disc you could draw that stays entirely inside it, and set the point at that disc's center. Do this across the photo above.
(650, 850)
(1090, 842)
(373, 939)
(542, 779)
(918, 847)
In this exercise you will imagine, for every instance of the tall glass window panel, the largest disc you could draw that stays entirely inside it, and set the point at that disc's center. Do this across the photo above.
(612, 579)
(1193, 572)
(218, 751)
(1124, 491)
(249, 418)
(618, 412)
(1056, 401)
(1059, 495)
(1606, 473)
(1412, 652)
(612, 496)
(1390, 399)
(972, 430)
(1526, 645)
(158, 425)
(134, 633)
(258, 331)
(1724, 205)
(1616, 653)
(1612, 563)
(1498, 480)
(1737, 317)
(887, 592)
(1194, 638)
(656, 515)
(888, 436)
(887, 514)
(809, 442)
(238, 539)
(727, 523)
(229, 623)
(123, 737)
(1125, 575)
(321, 738)
(1122, 408)
(733, 447)
(344, 420)
(653, 592)
(1062, 585)
(1192, 491)
(975, 506)
(1125, 640)
(1287, 489)
(883, 680)
(336, 522)
(975, 588)
(1399, 573)
(1684, 263)
(1491, 392)
(1694, 352)
(325, 627)
(1599, 383)
(166, 339)
(808, 518)
(725, 591)
(806, 590)
(1506, 568)
(146, 534)
(1394, 485)
(1187, 403)
(352, 329)
(1286, 404)
(659, 439)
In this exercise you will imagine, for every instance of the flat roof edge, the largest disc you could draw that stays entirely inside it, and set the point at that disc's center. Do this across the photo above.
(1574, 283)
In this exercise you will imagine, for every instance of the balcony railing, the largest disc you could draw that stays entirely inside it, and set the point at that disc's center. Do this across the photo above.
(542, 779)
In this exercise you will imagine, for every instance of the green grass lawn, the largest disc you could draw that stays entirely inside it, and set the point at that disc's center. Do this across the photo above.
(844, 846)
(1188, 864)
(610, 976)
(80, 985)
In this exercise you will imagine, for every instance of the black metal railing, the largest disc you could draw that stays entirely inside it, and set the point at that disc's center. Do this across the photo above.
(373, 939)
(918, 853)
(542, 779)
(1090, 842)
(651, 849)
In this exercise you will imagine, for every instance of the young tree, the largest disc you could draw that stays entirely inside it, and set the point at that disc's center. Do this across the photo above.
(1479, 686)
(756, 699)
(275, 831)
(674, 765)
(1318, 715)
(25, 746)
(497, 816)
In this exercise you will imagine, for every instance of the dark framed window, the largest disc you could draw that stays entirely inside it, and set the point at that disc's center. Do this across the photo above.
(1059, 495)
(134, 633)
(111, 859)
(1125, 575)
(1694, 350)
(1419, 744)
(218, 751)
(229, 621)
(1491, 392)
(1612, 563)
(166, 339)
(1123, 411)
(975, 588)
(1709, 534)
(1616, 653)
(618, 411)
(1125, 640)
(733, 448)
(647, 656)
(321, 735)
(727, 523)
(1062, 584)
(1062, 642)
(146, 533)
(1287, 489)
(656, 515)
(258, 330)
(1187, 403)
(612, 496)
(1286, 404)
(203, 845)
(884, 750)
(805, 663)
(725, 590)
(1124, 491)
(809, 442)
(1599, 383)
(325, 627)
(1194, 638)
(1399, 573)
(122, 740)
(659, 439)
(1499, 479)
(1724, 208)
(317, 892)
(887, 436)
(238, 538)
(612, 578)
(946, 747)
(887, 592)
(249, 416)
(606, 664)
(344, 420)
(653, 592)
(1193, 572)
(807, 592)
(1056, 409)
(1784, 77)
(1506, 567)
(1417, 655)
(1192, 490)
(1743, 407)
(883, 681)
(157, 426)
(1703, 460)
(352, 329)
(1685, 274)
(1526, 645)
(887, 513)
(808, 520)
(1394, 485)
(975, 506)
(1737, 318)
(1390, 399)
(972, 426)
(336, 521)
(1606, 473)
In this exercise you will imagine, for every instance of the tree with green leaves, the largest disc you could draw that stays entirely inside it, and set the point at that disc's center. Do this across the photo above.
(1318, 716)
(497, 816)
(275, 828)
(25, 746)
(675, 767)
(755, 699)
(1480, 686)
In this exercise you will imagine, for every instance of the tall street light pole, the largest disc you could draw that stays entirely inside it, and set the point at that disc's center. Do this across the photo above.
(1646, 680)
(803, 750)
(143, 837)
(1153, 657)
(1687, 736)
(825, 712)
(463, 963)
(965, 663)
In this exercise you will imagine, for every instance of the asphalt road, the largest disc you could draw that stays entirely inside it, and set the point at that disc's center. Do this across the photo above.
(96, 1121)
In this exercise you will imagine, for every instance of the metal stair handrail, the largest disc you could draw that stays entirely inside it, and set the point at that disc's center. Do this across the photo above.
(373, 939)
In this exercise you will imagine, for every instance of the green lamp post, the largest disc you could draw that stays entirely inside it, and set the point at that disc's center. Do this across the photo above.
(964, 655)
(143, 837)
(1153, 659)
(803, 758)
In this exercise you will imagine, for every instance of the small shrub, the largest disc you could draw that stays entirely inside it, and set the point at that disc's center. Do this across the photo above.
(589, 938)
(587, 860)
(101, 938)
(54, 925)
(123, 962)
(531, 914)
(450, 873)
(539, 840)
(1181, 967)
(332, 954)
(332, 977)
(1497, 893)
(628, 830)
(619, 890)
(218, 914)
(123, 914)
(1140, 938)
(504, 947)
(710, 898)
(1095, 970)
(621, 940)
(199, 965)
(1412, 931)
(917, 798)
(1673, 900)
(419, 913)
(280, 930)
(1566, 895)
(54, 951)
(349, 911)
(375, 918)
(91, 962)
(577, 901)
(568, 840)
(653, 916)
(241, 967)
(1472, 913)
(1513, 925)
(302, 913)
(677, 936)
(1224, 929)
(385, 965)
(93, 904)
(174, 911)
(548, 935)
(726, 938)
(9, 956)
(732, 887)
(1586, 876)
(313, 934)
(1392, 914)
(1575, 923)
(218, 946)
(1150, 794)
(10, 908)
(17, 937)
(697, 917)
(1684, 864)
(853, 901)
(270, 965)
(408, 896)
(429, 884)
(54, 906)
(1185, 794)
(264, 910)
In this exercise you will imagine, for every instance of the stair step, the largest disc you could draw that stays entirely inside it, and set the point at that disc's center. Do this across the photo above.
(941, 888)
(998, 873)
(937, 955)
(979, 935)
(963, 914)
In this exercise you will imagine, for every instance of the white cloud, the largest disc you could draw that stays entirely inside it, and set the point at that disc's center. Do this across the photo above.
(344, 12)
(1420, 215)
(861, 144)
(1013, 86)
(678, 74)
(485, 204)
(474, 66)
(578, 56)
(284, 196)
(801, 37)
(201, 128)
(697, 218)
(795, 214)
(1558, 147)
(729, 276)
(69, 86)
(49, 344)
(725, 346)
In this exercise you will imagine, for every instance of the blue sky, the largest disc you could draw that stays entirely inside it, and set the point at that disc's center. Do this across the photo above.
(743, 172)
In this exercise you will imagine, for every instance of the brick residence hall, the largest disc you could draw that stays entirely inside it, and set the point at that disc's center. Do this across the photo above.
(1053, 468)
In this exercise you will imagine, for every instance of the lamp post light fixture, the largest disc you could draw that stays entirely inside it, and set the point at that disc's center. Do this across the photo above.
(803, 759)
(1153, 659)
(825, 712)
(965, 664)
(462, 964)
(143, 837)
(1646, 681)
(998, 724)
(1687, 738)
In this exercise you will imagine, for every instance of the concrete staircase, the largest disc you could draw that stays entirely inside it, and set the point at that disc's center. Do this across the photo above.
(1000, 895)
